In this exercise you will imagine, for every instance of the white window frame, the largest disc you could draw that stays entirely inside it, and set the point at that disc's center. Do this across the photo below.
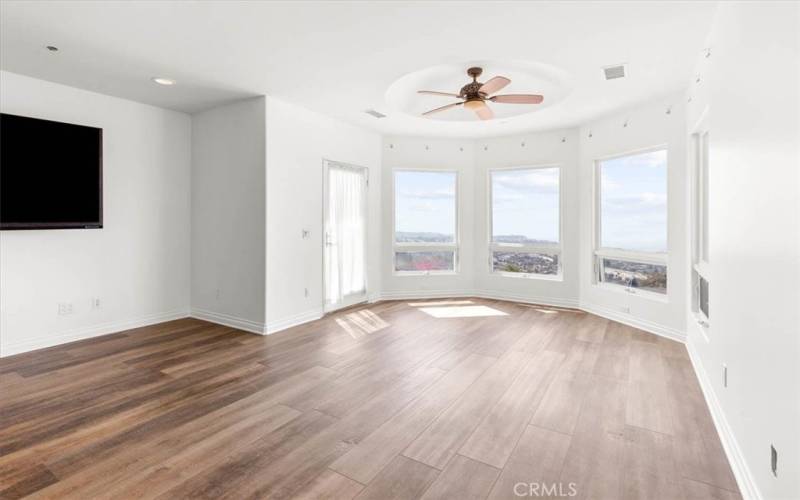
(427, 247)
(700, 176)
(599, 253)
(526, 248)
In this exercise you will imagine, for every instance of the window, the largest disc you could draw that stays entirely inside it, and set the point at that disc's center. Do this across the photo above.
(425, 222)
(701, 197)
(631, 224)
(525, 222)
(700, 142)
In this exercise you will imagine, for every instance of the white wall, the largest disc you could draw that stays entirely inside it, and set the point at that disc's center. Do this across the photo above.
(137, 264)
(229, 214)
(648, 125)
(557, 148)
(297, 142)
(750, 87)
(435, 154)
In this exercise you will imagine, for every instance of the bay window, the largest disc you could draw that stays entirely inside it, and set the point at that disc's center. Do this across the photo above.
(700, 191)
(631, 222)
(525, 222)
(425, 222)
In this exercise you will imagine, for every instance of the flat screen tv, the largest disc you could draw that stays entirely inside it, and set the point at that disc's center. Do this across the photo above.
(51, 174)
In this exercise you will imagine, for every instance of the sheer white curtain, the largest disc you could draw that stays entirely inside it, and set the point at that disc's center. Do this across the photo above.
(346, 232)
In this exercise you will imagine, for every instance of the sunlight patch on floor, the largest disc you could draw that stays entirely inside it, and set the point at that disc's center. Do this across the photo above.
(461, 311)
(361, 323)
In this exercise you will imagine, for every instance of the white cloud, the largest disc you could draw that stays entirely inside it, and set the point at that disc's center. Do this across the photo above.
(527, 181)
(435, 194)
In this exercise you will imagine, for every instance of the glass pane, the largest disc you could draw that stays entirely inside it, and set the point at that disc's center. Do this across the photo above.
(525, 206)
(529, 263)
(424, 261)
(425, 207)
(703, 299)
(633, 202)
(650, 277)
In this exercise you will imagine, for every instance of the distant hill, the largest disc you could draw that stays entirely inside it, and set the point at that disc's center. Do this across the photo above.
(407, 237)
(520, 239)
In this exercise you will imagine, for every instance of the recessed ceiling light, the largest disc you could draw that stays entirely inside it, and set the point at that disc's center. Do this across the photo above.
(164, 81)
(52, 48)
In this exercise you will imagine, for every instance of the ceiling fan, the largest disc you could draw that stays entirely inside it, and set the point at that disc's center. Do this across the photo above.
(475, 94)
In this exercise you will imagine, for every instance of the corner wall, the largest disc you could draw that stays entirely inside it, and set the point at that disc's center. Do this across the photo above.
(298, 140)
(137, 265)
(229, 214)
(749, 87)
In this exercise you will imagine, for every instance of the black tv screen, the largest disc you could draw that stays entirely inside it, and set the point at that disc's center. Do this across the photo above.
(51, 174)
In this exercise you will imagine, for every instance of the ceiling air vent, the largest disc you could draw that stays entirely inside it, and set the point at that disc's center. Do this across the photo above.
(376, 114)
(614, 72)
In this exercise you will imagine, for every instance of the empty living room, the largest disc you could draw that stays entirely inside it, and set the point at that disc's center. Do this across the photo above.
(400, 249)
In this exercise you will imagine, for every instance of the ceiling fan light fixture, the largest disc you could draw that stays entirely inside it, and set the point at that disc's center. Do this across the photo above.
(474, 104)
(475, 94)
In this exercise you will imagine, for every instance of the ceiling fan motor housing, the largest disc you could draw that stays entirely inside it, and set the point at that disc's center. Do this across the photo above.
(472, 91)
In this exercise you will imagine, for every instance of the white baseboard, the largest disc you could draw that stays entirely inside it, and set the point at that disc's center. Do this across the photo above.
(90, 332)
(527, 299)
(641, 324)
(744, 478)
(424, 294)
(297, 319)
(228, 320)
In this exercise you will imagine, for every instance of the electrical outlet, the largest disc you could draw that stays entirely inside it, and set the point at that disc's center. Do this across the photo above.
(625, 309)
(724, 375)
(774, 460)
(305, 292)
(64, 308)
(217, 294)
(96, 303)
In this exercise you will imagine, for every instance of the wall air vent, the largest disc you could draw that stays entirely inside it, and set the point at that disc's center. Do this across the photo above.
(614, 72)
(376, 114)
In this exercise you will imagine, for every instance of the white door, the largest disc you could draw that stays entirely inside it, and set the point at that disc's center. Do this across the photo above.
(345, 235)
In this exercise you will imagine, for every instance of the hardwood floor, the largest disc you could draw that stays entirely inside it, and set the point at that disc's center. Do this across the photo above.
(421, 399)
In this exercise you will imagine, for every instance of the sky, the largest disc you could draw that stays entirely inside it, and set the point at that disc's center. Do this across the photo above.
(525, 202)
(633, 202)
(425, 202)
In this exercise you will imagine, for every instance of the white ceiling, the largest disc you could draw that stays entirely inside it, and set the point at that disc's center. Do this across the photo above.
(340, 58)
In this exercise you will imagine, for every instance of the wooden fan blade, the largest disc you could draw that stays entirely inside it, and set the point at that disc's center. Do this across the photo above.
(518, 98)
(436, 110)
(494, 85)
(484, 112)
(433, 92)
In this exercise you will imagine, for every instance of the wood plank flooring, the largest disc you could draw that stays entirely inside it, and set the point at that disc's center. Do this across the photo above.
(402, 399)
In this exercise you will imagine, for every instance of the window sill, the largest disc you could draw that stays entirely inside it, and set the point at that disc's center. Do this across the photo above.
(703, 325)
(424, 273)
(701, 268)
